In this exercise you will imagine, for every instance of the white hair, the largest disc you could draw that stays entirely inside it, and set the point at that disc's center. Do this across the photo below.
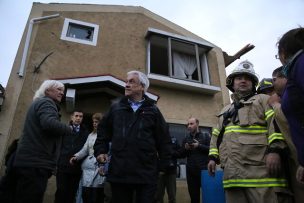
(142, 78)
(46, 85)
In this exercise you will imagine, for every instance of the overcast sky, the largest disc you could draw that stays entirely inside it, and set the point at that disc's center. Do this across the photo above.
(228, 24)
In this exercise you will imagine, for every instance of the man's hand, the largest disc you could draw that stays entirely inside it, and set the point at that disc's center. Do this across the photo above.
(73, 160)
(274, 100)
(300, 174)
(102, 158)
(273, 163)
(192, 146)
(195, 144)
(188, 146)
(211, 168)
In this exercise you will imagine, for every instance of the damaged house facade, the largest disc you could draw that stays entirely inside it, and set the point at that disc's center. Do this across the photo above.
(90, 48)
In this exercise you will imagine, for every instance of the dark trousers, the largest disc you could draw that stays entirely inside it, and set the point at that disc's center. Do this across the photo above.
(7, 187)
(166, 182)
(67, 185)
(126, 193)
(107, 192)
(92, 195)
(31, 184)
(194, 183)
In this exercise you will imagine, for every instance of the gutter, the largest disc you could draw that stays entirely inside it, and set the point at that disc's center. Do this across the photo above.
(28, 39)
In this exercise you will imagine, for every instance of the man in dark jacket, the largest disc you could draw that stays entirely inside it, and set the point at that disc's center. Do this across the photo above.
(196, 148)
(167, 178)
(68, 176)
(139, 136)
(38, 148)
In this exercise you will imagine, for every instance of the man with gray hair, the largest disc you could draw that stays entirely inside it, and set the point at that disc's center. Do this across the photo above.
(39, 144)
(141, 143)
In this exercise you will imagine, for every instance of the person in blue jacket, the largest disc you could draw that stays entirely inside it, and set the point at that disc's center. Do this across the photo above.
(291, 55)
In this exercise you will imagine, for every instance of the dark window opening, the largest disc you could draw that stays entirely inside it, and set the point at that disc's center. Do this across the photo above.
(80, 32)
(159, 60)
(177, 58)
(159, 55)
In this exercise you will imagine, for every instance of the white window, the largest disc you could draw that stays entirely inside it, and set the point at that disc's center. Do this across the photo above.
(80, 32)
(177, 57)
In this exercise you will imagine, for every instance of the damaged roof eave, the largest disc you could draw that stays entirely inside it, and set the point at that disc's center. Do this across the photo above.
(230, 59)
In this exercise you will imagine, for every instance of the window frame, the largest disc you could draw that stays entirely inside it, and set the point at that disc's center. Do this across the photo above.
(68, 21)
(202, 65)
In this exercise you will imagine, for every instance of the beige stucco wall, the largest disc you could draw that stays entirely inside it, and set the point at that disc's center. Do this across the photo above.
(121, 47)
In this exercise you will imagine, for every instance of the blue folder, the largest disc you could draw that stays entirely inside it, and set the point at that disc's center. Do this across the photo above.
(212, 187)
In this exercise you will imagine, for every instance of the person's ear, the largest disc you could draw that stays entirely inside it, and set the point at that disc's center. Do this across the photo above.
(46, 92)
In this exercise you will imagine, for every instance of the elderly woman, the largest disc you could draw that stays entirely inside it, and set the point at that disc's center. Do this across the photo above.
(92, 181)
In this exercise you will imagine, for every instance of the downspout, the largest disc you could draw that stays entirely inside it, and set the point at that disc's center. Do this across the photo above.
(28, 39)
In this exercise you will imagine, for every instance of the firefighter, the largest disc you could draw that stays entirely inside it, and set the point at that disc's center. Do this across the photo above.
(265, 87)
(248, 145)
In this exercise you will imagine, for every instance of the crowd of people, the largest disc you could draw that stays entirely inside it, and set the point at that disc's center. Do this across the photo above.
(130, 156)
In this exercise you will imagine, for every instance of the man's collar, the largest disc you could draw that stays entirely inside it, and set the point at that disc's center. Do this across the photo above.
(193, 134)
(237, 97)
(290, 61)
(136, 102)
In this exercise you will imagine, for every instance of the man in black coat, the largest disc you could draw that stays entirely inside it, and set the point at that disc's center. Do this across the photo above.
(167, 178)
(140, 137)
(196, 148)
(38, 148)
(68, 176)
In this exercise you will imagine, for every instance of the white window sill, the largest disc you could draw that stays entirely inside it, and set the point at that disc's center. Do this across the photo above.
(174, 83)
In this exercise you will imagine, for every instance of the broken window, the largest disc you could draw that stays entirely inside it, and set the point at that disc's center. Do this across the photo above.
(80, 32)
(178, 58)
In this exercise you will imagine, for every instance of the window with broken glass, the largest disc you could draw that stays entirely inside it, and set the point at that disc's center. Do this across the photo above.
(178, 58)
(80, 32)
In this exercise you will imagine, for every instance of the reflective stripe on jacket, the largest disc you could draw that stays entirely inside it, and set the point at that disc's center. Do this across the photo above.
(242, 151)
